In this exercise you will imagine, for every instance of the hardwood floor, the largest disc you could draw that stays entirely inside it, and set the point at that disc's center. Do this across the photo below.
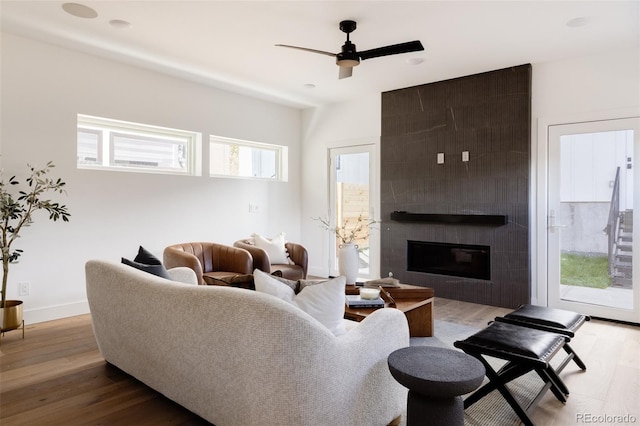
(57, 377)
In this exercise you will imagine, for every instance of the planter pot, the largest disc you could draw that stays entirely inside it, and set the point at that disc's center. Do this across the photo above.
(11, 315)
(349, 262)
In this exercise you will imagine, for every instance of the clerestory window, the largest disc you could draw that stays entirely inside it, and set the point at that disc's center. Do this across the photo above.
(109, 144)
(244, 159)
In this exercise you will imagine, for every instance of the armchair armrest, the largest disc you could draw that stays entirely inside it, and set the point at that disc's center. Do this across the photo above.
(298, 255)
(260, 257)
(174, 257)
(232, 259)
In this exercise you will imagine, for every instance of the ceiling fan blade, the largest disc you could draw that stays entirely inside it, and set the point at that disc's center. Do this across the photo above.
(345, 72)
(394, 49)
(322, 52)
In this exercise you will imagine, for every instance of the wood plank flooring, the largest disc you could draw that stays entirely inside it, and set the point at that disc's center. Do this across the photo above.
(57, 377)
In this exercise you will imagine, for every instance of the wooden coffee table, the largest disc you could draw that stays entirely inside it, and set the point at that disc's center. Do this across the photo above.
(416, 302)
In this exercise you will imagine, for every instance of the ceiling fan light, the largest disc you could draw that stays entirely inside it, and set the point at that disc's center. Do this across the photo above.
(349, 63)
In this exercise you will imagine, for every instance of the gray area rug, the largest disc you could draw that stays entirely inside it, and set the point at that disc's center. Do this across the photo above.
(492, 409)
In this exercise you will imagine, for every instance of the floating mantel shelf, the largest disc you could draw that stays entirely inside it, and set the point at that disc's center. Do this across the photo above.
(461, 219)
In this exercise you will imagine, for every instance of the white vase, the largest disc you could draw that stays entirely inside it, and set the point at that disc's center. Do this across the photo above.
(348, 261)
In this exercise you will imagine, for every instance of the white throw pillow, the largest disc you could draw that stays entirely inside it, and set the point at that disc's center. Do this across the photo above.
(274, 247)
(323, 301)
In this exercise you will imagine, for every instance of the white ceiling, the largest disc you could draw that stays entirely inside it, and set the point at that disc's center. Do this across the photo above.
(230, 44)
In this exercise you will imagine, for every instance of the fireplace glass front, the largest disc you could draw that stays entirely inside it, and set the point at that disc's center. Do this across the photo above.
(459, 260)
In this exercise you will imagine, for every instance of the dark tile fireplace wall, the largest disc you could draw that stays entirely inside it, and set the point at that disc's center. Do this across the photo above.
(488, 115)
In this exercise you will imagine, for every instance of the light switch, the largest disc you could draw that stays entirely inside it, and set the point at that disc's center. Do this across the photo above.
(465, 156)
(440, 158)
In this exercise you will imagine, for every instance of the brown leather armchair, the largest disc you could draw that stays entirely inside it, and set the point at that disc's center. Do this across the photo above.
(209, 260)
(297, 253)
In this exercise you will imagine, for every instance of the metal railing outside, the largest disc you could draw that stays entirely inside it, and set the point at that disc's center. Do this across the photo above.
(612, 229)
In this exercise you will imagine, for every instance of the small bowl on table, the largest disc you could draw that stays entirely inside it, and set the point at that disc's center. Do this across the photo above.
(369, 293)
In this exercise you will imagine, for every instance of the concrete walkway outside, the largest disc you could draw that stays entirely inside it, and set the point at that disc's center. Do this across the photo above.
(612, 297)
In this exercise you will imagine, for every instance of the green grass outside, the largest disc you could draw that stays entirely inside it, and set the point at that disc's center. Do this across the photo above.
(585, 271)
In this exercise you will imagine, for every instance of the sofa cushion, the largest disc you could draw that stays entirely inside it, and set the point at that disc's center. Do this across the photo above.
(324, 300)
(274, 247)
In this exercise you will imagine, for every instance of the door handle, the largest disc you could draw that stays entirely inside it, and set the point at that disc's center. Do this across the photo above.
(552, 221)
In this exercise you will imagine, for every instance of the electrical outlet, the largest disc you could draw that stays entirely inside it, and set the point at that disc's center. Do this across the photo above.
(24, 289)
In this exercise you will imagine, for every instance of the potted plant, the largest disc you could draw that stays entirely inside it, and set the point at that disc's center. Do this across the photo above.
(350, 232)
(17, 207)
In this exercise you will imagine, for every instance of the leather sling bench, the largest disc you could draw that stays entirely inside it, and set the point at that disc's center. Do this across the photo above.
(525, 349)
(549, 319)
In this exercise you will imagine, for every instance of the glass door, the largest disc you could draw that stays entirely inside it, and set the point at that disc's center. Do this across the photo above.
(352, 200)
(592, 184)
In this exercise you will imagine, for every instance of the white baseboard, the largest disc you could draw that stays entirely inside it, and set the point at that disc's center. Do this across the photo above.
(49, 313)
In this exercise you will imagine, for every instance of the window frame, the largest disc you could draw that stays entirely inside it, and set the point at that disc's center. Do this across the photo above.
(108, 129)
(281, 158)
(99, 135)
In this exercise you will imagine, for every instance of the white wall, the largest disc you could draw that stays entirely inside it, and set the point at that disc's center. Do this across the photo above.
(586, 84)
(44, 87)
(572, 87)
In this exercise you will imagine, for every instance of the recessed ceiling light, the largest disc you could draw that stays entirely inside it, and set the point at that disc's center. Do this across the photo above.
(119, 23)
(79, 10)
(578, 22)
(415, 61)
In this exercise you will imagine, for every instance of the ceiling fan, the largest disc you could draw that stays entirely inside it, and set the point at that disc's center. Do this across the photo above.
(349, 57)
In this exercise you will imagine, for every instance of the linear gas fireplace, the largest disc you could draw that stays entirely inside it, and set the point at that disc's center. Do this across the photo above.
(459, 260)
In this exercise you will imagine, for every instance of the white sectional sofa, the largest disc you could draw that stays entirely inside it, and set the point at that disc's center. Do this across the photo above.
(239, 357)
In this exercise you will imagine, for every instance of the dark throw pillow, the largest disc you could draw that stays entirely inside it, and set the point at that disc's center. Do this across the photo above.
(146, 257)
(147, 262)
